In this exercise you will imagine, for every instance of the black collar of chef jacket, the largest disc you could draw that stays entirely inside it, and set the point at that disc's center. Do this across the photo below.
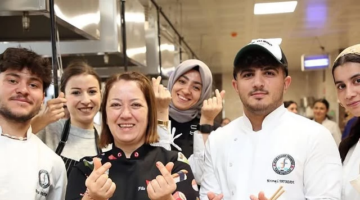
(117, 153)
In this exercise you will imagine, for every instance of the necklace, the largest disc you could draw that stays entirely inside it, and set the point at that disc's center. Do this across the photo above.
(14, 137)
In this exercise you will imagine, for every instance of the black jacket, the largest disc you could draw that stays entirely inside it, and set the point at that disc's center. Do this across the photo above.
(131, 175)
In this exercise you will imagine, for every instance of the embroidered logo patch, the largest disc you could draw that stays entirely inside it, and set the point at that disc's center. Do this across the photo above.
(182, 158)
(44, 179)
(283, 164)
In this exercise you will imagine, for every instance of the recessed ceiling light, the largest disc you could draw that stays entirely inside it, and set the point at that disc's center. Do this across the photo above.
(275, 7)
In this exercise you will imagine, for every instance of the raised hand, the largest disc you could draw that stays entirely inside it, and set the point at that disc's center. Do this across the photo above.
(99, 185)
(164, 185)
(54, 109)
(162, 94)
(212, 107)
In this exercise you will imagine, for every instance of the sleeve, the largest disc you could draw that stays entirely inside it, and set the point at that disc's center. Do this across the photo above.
(322, 169)
(187, 187)
(197, 159)
(59, 190)
(76, 186)
(166, 137)
(209, 181)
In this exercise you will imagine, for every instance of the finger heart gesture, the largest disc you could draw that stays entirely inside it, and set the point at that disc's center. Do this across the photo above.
(212, 107)
(164, 185)
(162, 94)
(99, 185)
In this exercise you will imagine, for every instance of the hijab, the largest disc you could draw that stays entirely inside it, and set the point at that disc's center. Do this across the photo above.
(183, 116)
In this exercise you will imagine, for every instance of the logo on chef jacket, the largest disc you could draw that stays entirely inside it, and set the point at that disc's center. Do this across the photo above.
(283, 164)
(44, 179)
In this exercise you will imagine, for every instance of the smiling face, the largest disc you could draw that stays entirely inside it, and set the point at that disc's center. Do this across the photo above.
(186, 91)
(261, 88)
(320, 111)
(21, 95)
(347, 81)
(83, 98)
(127, 113)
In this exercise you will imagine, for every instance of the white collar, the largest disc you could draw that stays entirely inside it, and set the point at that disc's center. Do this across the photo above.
(28, 135)
(269, 121)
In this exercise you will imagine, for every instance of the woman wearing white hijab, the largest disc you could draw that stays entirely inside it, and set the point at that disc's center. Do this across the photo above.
(191, 111)
(346, 70)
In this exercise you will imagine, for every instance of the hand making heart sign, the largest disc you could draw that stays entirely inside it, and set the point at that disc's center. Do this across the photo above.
(99, 185)
(162, 187)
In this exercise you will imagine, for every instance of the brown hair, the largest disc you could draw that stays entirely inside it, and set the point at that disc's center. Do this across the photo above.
(144, 84)
(20, 58)
(77, 68)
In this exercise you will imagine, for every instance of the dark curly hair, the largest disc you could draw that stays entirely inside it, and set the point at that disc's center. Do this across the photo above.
(20, 58)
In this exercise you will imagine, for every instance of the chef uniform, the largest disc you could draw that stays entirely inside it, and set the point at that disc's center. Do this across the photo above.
(289, 151)
(131, 175)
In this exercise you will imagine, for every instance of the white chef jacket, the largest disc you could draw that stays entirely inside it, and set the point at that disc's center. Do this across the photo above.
(30, 170)
(351, 171)
(334, 129)
(290, 150)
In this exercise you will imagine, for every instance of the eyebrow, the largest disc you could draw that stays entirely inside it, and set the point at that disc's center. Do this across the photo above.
(252, 69)
(270, 68)
(196, 82)
(117, 99)
(32, 78)
(76, 88)
(352, 77)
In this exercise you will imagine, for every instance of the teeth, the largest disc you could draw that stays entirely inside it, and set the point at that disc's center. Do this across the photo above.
(183, 98)
(85, 109)
(126, 125)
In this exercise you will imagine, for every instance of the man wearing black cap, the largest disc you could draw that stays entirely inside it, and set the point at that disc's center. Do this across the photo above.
(269, 147)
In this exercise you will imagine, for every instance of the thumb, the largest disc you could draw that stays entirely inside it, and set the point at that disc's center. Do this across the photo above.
(61, 95)
(253, 197)
(169, 166)
(222, 94)
(262, 196)
(97, 163)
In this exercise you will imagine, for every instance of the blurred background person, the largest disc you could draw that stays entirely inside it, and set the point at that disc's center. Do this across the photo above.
(321, 109)
(291, 106)
(225, 121)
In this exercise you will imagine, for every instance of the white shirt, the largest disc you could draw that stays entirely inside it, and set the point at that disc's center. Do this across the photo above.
(30, 170)
(334, 130)
(351, 171)
(290, 150)
(196, 160)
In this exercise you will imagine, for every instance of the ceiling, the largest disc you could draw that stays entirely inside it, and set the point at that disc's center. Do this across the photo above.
(207, 26)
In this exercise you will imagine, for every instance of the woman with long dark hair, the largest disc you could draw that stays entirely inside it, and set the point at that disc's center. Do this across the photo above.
(346, 73)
